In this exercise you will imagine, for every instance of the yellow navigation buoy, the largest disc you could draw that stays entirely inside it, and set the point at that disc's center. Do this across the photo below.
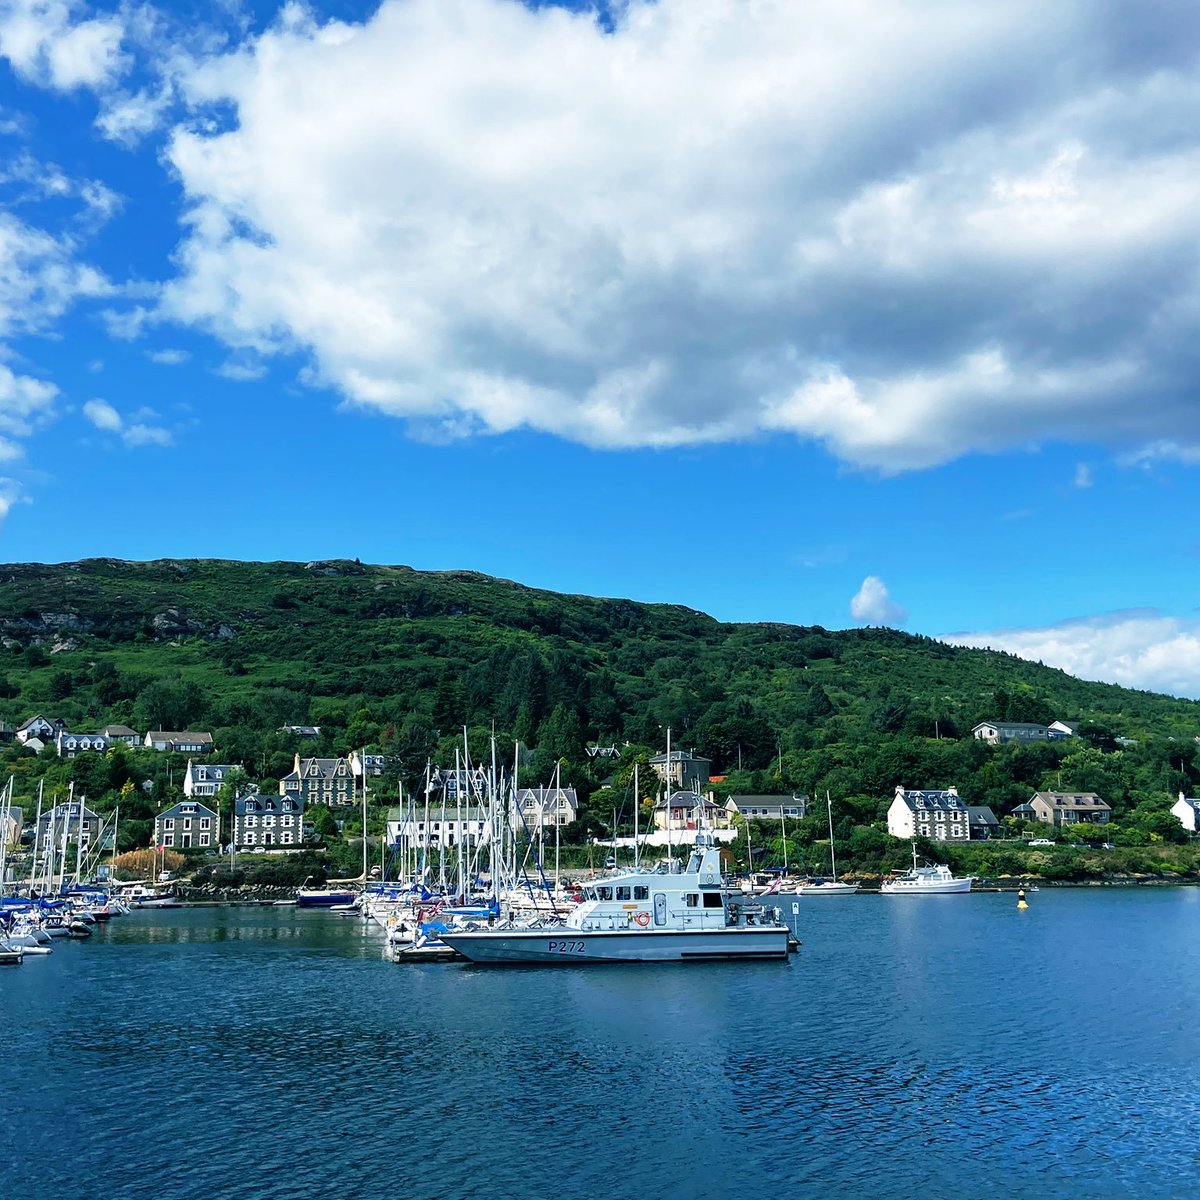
(1021, 900)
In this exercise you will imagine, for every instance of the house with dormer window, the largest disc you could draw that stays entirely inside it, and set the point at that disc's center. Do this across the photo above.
(185, 826)
(204, 779)
(45, 729)
(935, 813)
(1064, 808)
(545, 806)
(69, 745)
(184, 741)
(327, 781)
(260, 819)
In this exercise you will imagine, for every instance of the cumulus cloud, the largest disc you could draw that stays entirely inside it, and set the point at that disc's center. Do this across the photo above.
(706, 224)
(872, 605)
(1139, 649)
(53, 43)
(25, 404)
(135, 433)
(168, 357)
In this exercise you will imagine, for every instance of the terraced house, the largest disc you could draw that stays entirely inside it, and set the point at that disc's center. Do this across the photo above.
(327, 781)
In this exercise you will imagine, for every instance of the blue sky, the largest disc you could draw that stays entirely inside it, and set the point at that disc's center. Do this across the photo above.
(834, 313)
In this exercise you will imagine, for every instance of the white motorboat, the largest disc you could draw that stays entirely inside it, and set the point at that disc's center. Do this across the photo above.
(642, 916)
(935, 880)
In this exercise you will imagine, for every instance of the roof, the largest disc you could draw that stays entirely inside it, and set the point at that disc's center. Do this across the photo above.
(542, 794)
(180, 735)
(1088, 800)
(679, 756)
(212, 771)
(191, 805)
(936, 800)
(118, 731)
(772, 801)
(1030, 725)
(259, 801)
(980, 814)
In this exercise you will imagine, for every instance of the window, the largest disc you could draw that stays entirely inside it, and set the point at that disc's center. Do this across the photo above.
(204, 839)
(169, 823)
(205, 823)
(604, 893)
(713, 900)
(693, 899)
(641, 892)
(287, 806)
(269, 819)
(623, 893)
(251, 819)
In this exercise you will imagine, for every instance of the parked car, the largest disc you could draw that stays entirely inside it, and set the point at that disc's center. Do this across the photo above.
(1041, 842)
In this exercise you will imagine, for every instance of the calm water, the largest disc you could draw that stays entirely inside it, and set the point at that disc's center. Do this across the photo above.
(938, 1047)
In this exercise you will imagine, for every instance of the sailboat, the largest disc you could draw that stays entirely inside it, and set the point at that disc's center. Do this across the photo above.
(830, 886)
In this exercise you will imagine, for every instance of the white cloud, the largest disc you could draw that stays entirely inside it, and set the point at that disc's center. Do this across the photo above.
(871, 604)
(1083, 475)
(103, 415)
(138, 433)
(706, 225)
(52, 43)
(25, 404)
(241, 370)
(1139, 649)
(168, 358)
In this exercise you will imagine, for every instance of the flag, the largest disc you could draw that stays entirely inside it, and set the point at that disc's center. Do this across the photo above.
(776, 884)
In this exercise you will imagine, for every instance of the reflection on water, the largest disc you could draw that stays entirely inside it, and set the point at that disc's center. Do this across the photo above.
(940, 1047)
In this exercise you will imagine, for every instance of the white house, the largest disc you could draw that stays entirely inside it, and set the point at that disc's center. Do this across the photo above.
(469, 827)
(545, 806)
(768, 808)
(1187, 809)
(937, 814)
(204, 779)
(185, 825)
(71, 744)
(44, 729)
(1063, 729)
(123, 734)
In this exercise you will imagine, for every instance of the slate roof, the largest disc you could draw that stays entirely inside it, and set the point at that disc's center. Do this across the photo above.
(932, 800)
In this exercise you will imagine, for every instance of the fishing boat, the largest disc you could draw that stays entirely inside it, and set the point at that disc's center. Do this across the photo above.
(929, 880)
(831, 886)
(642, 916)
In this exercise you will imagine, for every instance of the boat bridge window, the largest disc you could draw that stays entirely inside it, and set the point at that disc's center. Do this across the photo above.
(712, 900)
(641, 892)
(623, 893)
(693, 899)
(605, 893)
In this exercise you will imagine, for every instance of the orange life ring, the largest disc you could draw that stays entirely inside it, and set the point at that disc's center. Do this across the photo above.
(642, 918)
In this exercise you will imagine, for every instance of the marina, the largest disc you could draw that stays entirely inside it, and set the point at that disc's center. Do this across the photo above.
(893, 1053)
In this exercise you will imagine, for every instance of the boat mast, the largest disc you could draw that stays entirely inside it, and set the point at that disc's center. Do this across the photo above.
(637, 845)
(669, 851)
(37, 833)
(832, 862)
(362, 762)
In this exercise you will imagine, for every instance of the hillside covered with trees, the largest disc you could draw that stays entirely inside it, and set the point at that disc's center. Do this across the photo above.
(397, 660)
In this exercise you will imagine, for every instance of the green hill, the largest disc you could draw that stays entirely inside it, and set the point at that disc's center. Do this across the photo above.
(398, 659)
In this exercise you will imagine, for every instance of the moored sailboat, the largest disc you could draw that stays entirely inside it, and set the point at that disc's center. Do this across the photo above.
(831, 886)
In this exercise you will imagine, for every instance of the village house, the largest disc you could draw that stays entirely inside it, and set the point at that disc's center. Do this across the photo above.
(327, 781)
(205, 779)
(45, 729)
(1064, 808)
(70, 818)
(684, 810)
(995, 732)
(437, 828)
(308, 732)
(1063, 729)
(261, 820)
(683, 771)
(185, 825)
(768, 808)
(983, 823)
(69, 745)
(12, 822)
(182, 742)
(123, 734)
(544, 806)
(371, 765)
(937, 814)
(1187, 810)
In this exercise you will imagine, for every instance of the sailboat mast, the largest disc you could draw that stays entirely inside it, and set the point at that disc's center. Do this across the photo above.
(832, 861)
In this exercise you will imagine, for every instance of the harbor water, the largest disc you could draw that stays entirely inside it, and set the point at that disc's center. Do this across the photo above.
(916, 1047)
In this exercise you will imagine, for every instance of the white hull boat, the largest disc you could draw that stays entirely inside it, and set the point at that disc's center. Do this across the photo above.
(826, 887)
(642, 916)
(937, 880)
